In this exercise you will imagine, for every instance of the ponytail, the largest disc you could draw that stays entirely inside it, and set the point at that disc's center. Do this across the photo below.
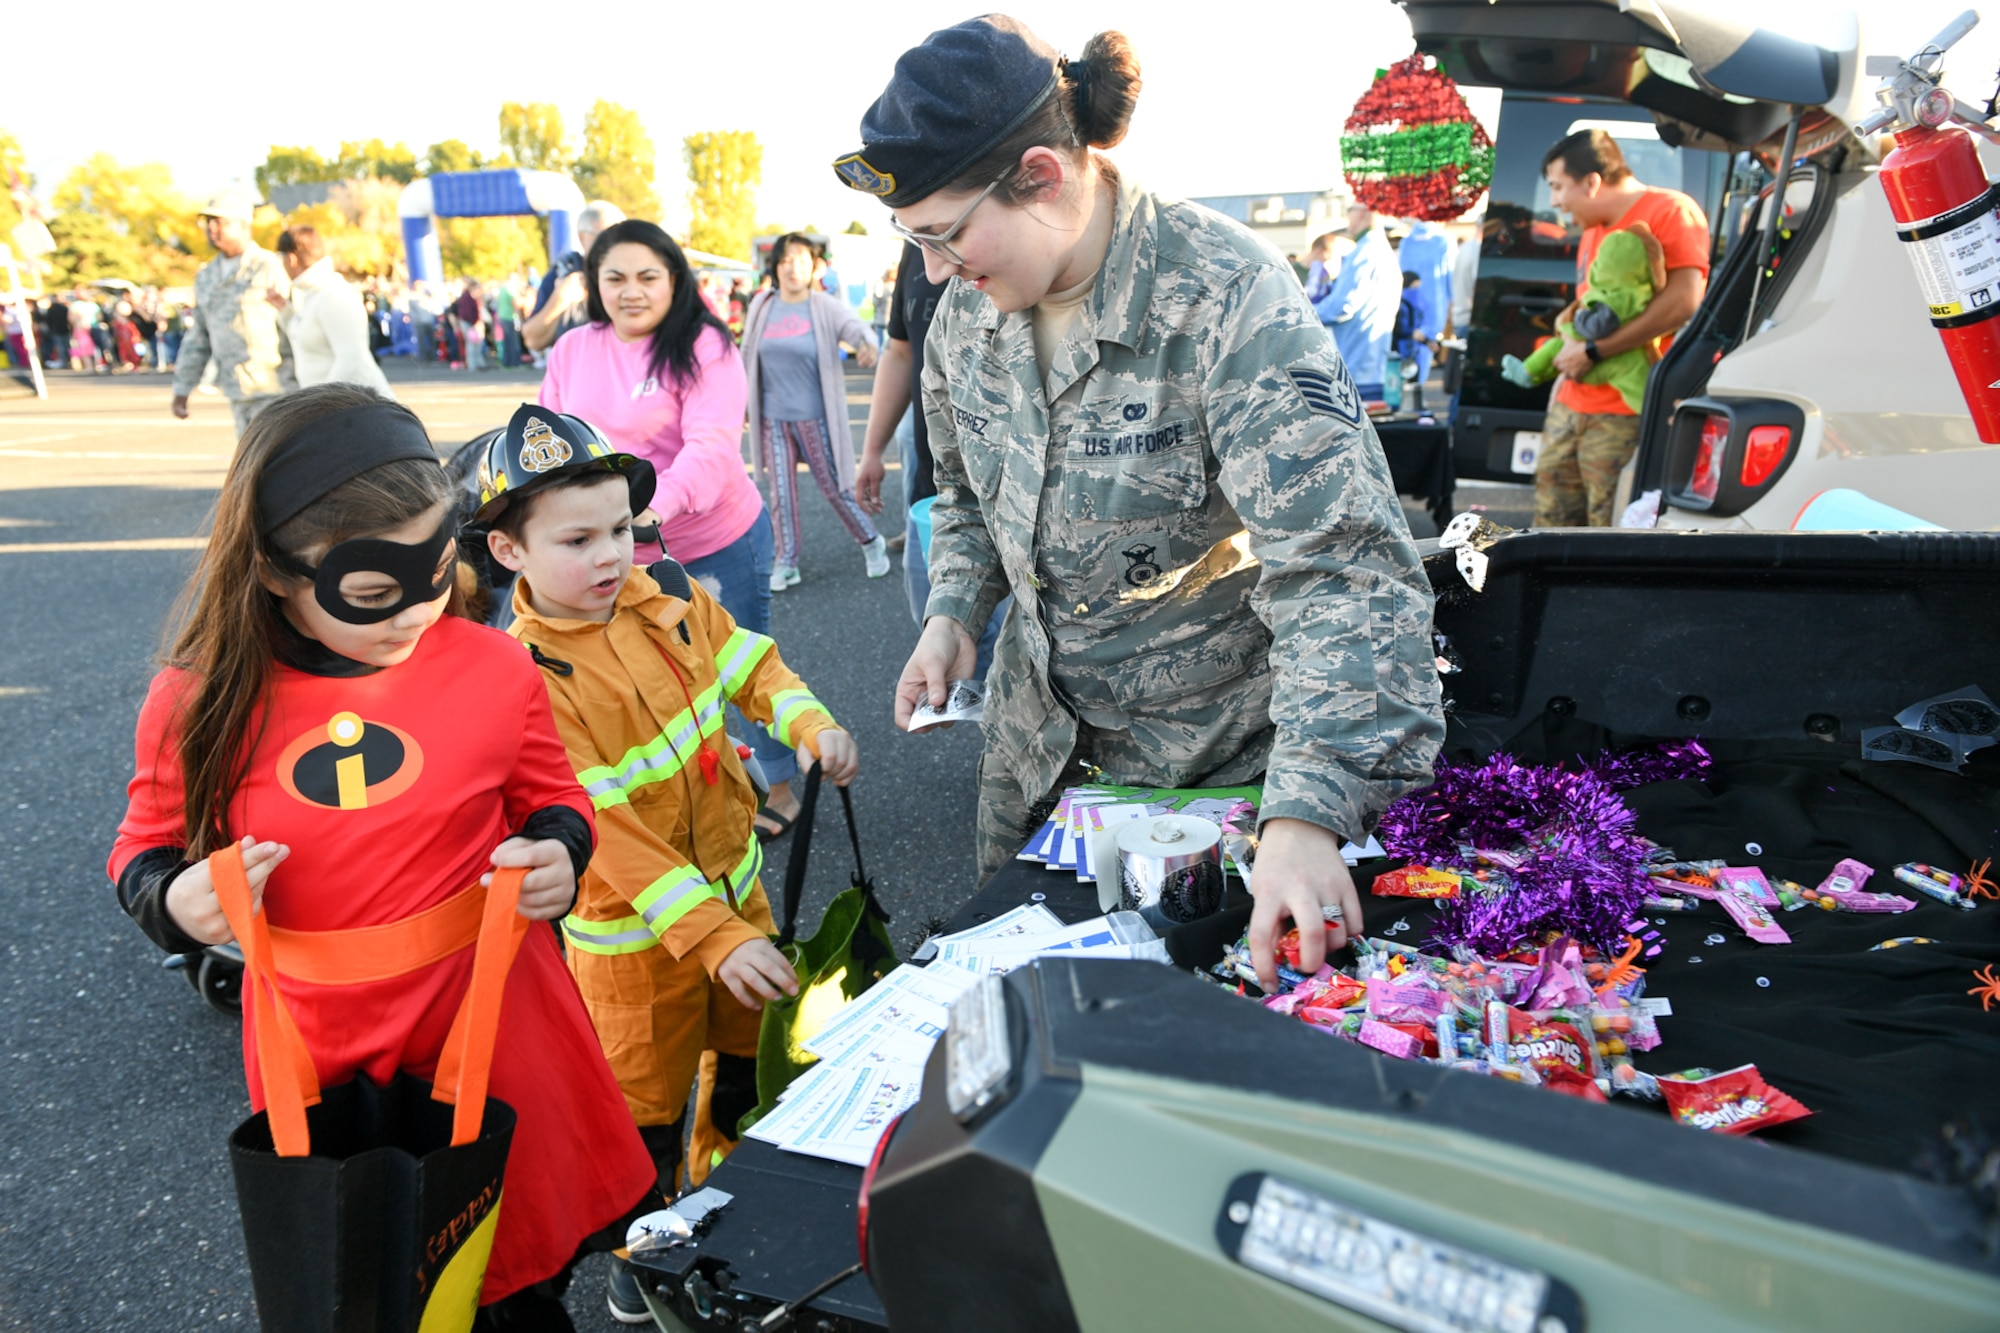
(1091, 107)
(1102, 88)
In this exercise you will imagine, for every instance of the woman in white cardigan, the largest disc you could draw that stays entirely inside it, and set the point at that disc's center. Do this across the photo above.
(324, 319)
(798, 401)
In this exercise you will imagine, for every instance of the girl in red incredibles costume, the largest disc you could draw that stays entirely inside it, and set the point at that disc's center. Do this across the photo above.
(377, 758)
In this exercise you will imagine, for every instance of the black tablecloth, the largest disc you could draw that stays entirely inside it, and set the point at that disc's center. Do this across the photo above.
(1420, 462)
(1886, 1047)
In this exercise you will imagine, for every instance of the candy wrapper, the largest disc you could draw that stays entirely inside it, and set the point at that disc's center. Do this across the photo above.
(1737, 1101)
(1942, 885)
(1402, 1040)
(1746, 880)
(1754, 918)
(1417, 882)
(1406, 999)
(1558, 980)
(1621, 1029)
(1628, 1080)
(1288, 944)
(1561, 1057)
(1321, 999)
(1846, 876)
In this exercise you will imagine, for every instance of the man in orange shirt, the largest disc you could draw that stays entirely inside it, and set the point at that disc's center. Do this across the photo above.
(1591, 434)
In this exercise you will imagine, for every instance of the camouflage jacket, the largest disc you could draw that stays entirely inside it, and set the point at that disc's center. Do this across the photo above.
(235, 325)
(1213, 575)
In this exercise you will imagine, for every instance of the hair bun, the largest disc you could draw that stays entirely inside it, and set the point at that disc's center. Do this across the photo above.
(1104, 88)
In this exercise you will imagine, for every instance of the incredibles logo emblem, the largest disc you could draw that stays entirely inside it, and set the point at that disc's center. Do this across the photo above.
(349, 764)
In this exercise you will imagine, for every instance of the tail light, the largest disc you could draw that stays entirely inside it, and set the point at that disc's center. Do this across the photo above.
(1764, 453)
(1723, 454)
(868, 1183)
(1706, 476)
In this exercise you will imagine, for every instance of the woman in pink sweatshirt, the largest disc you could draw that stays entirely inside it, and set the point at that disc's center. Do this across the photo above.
(657, 372)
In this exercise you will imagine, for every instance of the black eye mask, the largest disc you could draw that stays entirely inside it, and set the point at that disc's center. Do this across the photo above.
(412, 567)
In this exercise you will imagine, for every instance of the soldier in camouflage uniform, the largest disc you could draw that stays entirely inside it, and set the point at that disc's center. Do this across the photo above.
(233, 323)
(1213, 580)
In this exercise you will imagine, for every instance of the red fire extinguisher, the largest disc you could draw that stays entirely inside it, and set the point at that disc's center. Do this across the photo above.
(1948, 217)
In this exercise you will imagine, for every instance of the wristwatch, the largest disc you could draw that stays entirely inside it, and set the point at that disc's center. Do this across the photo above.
(1590, 350)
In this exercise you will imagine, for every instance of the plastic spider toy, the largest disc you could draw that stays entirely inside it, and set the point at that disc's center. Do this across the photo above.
(1988, 989)
(1977, 885)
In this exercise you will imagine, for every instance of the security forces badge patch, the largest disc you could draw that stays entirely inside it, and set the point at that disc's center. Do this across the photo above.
(858, 175)
(1138, 564)
(1329, 395)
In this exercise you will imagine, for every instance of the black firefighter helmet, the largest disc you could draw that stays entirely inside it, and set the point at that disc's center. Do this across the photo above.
(540, 445)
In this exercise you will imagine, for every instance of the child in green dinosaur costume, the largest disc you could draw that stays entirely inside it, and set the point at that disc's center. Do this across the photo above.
(1630, 266)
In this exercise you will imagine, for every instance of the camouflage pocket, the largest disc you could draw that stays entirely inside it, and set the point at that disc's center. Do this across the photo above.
(1399, 627)
(1135, 488)
(1229, 664)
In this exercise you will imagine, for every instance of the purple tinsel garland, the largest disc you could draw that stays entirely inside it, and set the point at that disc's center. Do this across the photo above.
(1582, 871)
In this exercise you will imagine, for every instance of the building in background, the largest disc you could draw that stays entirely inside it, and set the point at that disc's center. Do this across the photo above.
(1288, 221)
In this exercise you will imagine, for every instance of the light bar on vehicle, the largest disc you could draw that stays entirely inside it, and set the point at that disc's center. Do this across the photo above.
(1406, 1280)
(978, 1049)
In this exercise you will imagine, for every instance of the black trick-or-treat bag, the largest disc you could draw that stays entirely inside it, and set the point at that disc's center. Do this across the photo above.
(850, 952)
(365, 1207)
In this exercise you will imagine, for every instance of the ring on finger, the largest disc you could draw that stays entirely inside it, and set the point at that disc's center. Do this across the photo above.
(1331, 913)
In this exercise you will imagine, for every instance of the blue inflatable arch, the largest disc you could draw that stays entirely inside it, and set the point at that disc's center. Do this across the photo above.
(506, 193)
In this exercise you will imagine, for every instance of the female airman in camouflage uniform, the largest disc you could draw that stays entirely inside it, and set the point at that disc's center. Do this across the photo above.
(1143, 432)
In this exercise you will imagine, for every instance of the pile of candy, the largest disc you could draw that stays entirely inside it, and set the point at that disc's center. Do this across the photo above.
(1563, 1017)
(1738, 890)
(1555, 1010)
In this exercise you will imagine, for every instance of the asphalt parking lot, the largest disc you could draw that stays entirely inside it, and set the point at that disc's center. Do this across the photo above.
(117, 1084)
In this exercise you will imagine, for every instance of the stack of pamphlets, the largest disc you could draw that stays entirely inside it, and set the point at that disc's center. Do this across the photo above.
(872, 1052)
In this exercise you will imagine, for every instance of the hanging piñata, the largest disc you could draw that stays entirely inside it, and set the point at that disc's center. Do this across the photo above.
(1412, 147)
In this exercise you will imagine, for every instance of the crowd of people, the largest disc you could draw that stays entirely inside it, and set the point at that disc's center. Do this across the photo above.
(1385, 290)
(107, 329)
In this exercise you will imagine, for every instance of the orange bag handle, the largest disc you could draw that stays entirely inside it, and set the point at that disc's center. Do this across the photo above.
(291, 1082)
(466, 1062)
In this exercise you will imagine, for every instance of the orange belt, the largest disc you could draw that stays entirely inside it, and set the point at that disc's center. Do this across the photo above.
(376, 953)
(291, 1082)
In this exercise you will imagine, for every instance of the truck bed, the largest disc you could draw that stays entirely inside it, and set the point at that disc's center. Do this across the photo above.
(1776, 651)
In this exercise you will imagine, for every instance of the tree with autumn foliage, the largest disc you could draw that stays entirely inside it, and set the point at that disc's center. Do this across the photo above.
(725, 168)
(616, 163)
(531, 136)
(118, 221)
(357, 160)
(13, 175)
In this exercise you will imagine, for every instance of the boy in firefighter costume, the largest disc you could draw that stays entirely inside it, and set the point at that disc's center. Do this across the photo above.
(669, 939)
(376, 757)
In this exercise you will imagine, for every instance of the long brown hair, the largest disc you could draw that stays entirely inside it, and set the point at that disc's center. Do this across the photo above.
(227, 621)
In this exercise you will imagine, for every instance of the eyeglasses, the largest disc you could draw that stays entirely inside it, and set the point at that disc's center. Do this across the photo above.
(939, 243)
